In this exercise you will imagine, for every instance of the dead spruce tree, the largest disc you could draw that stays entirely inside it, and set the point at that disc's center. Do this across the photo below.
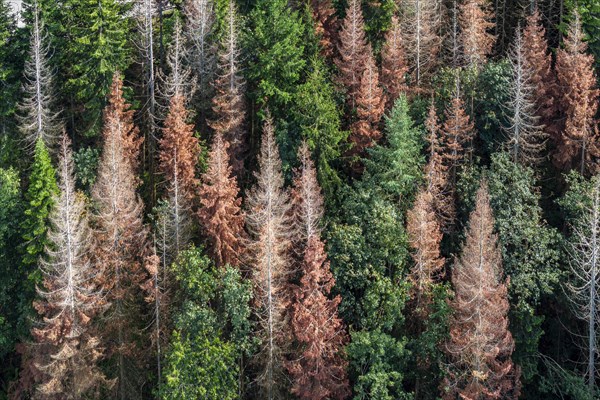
(176, 80)
(480, 345)
(121, 241)
(317, 366)
(36, 119)
(584, 285)
(577, 146)
(393, 64)
(220, 212)
(421, 38)
(228, 104)
(476, 41)
(424, 236)
(526, 137)
(200, 26)
(65, 352)
(437, 174)
(269, 225)
(353, 51)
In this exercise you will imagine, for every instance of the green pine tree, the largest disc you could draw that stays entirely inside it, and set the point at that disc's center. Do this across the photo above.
(39, 199)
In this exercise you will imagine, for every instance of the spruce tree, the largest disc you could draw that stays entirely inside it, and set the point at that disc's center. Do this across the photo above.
(394, 65)
(578, 143)
(220, 213)
(120, 242)
(480, 345)
(40, 199)
(274, 44)
(268, 222)
(90, 40)
(476, 41)
(66, 351)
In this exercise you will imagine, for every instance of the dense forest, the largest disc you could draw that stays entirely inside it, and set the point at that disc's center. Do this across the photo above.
(299, 199)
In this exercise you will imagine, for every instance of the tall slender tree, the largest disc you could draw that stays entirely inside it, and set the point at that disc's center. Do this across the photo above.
(179, 150)
(393, 64)
(583, 287)
(526, 137)
(319, 370)
(220, 213)
(229, 106)
(457, 135)
(40, 196)
(269, 224)
(37, 119)
(353, 52)
(177, 79)
(476, 41)
(424, 236)
(538, 60)
(480, 344)
(121, 241)
(66, 352)
(437, 174)
(420, 19)
(578, 102)
(307, 201)
(370, 106)
(200, 26)
(326, 25)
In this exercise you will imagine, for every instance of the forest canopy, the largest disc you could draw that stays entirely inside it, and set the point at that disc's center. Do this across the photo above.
(299, 199)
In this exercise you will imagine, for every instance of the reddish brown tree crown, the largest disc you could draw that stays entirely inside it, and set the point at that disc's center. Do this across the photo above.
(480, 345)
(220, 212)
(179, 149)
(393, 64)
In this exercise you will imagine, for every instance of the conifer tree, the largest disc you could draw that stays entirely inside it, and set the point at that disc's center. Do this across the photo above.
(538, 60)
(307, 201)
(526, 137)
(353, 52)
(200, 29)
(177, 79)
(457, 135)
(319, 370)
(393, 64)
(578, 102)
(38, 121)
(90, 40)
(66, 352)
(319, 119)
(179, 150)
(40, 197)
(476, 42)
(424, 236)
(269, 224)
(420, 29)
(275, 44)
(229, 107)
(121, 241)
(582, 288)
(480, 344)
(145, 11)
(220, 213)
(326, 25)
(370, 106)
(437, 174)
